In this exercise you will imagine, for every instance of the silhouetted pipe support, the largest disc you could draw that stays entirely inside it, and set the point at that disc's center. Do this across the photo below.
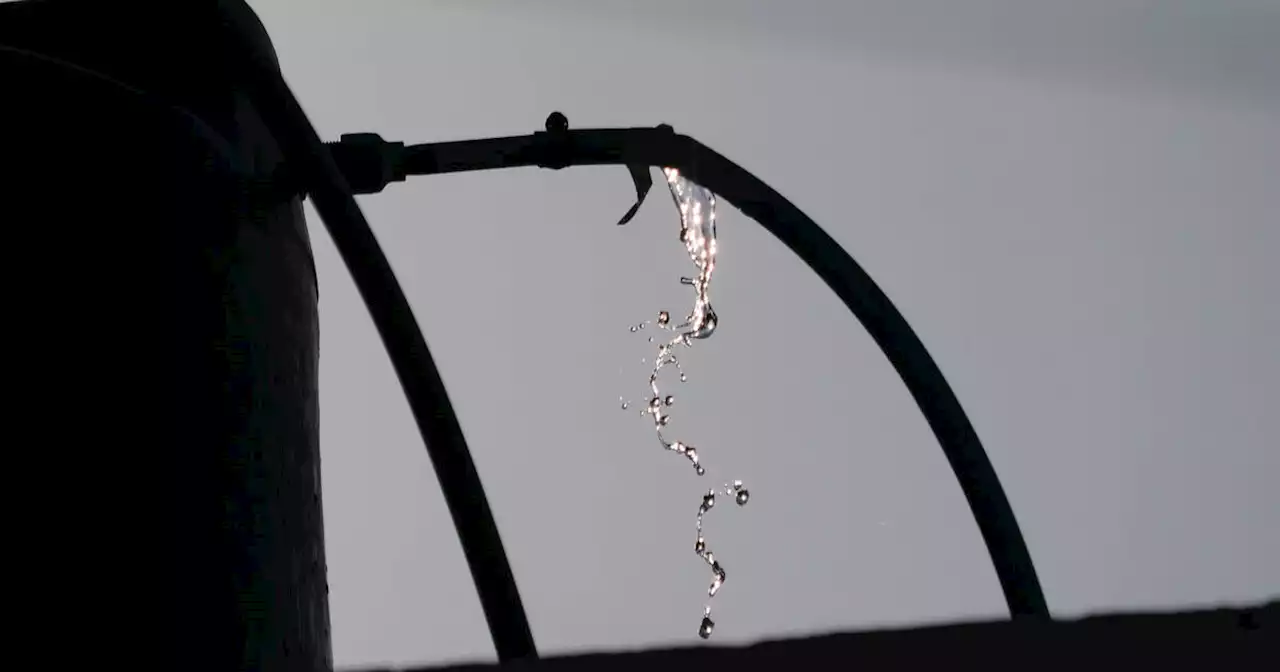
(559, 147)
(316, 169)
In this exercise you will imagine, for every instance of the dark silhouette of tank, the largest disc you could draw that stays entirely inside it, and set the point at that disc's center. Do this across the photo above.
(163, 344)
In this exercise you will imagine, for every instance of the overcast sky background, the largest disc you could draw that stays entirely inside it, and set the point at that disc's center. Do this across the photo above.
(1075, 204)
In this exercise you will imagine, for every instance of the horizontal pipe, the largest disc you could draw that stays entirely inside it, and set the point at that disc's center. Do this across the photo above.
(661, 146)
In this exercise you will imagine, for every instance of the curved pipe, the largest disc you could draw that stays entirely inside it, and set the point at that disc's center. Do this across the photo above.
(662, 147)
(410, 356)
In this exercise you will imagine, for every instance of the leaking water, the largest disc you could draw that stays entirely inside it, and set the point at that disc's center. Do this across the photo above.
(698, 234)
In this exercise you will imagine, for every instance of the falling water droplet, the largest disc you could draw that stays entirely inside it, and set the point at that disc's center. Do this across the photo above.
(742, 496)
(718, 581)
(633, 329)
(708, 324)
(708, 501)
(625, 405)
(683, 378)
(663, 420)
(700, 546)
(669, 400)
(664, 317)
(704, 630)
(655, 403)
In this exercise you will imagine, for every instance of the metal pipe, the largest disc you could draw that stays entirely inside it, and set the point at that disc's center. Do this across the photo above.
(661, 146)
(410, 356)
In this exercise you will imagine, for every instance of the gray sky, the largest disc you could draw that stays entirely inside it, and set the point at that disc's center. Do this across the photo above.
(1074, 204)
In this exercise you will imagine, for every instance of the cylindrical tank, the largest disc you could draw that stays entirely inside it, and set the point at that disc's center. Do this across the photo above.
(163, 335)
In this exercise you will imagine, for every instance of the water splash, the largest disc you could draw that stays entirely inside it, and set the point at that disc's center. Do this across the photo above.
(697, 207)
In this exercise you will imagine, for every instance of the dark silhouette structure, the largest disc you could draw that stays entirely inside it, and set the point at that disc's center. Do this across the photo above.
(159, 162)
(1195, 640)
(162, 346)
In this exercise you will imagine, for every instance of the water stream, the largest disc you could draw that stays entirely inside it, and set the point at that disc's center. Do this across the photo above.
(697, 207)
